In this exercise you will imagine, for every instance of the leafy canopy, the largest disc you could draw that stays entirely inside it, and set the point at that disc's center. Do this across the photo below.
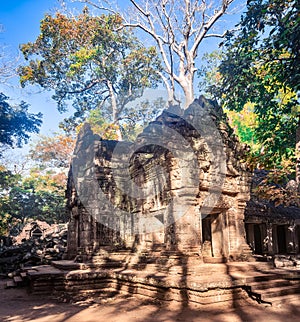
(261, 66)
(40, 195)
(90, 61)
(16, 123)
(53, 151)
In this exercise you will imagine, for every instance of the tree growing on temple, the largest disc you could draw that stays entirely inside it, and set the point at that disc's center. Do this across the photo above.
(178, 28)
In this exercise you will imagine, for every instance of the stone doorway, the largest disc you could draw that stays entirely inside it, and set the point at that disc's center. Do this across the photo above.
(206, 237)
(281, 239)
(258, 247)
(214, 238)
(256, 234)
(298, 237)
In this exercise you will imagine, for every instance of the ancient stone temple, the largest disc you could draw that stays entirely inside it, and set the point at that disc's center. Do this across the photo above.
(181, 187)
(272, 230)
(163, 218)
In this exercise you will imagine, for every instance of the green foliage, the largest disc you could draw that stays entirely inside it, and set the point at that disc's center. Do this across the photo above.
(7, 179)
(277, 188)
(41, 193)
(261, 66)
(138, 118)
(38, 196)
(5, 223)
(53, 151)
(101, 126)
(87, 62)
(245, 124)
(208, 73)
(16, 123)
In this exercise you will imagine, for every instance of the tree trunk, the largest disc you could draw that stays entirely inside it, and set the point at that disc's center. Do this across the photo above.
(114, 109)
(188, 89)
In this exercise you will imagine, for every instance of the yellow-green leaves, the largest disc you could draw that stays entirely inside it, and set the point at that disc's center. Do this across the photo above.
(90, 61)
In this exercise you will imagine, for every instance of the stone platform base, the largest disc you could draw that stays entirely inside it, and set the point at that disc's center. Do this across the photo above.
(206, 284)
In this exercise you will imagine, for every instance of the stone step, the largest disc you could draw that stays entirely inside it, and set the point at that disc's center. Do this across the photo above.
(147, 289)
(253, 267)
(23, 274)
(10, 284)
(213, 260)
(108, 259)
(112, 254)
(108, 264)
(293, 276)
(249, 278)
(264, 285)
(68, 265)
(18, 279)
(118, 261)
(31, 271)
(267, 295)
(291, 299)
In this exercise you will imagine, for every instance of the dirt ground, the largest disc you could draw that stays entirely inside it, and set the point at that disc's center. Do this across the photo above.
(17, 305)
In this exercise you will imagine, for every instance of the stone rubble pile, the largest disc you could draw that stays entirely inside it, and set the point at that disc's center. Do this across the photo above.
(287, 261)
(34, 251)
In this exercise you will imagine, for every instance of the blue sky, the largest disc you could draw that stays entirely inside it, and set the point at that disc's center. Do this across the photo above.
(20, 20)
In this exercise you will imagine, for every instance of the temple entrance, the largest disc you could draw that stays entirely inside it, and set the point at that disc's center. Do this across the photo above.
(206, 229)
(206, 236)
(298, 237)
(281, 239)
(258, 248)
(213, 234)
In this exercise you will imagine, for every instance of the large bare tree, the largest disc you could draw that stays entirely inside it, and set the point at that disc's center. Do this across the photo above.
(178, 27)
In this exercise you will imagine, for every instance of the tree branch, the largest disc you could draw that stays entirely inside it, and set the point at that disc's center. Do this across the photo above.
(144, 13)
(218, 13)
(219, 35)
(91, 3)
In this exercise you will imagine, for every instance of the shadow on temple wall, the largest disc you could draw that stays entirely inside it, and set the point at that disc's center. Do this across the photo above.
(168, 264)
(174, 266)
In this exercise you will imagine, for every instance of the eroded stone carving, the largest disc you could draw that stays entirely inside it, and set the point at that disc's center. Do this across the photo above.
(181, 186)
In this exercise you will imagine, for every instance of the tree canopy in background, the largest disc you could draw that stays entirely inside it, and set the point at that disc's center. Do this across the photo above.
(261, 66)
(136, 117)
(90, 61)
(16, 123)
(53, 151)
(38, 192)
(37, 196)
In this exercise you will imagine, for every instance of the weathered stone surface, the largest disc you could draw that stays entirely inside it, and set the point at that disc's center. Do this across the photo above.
(160, 190)
(29, 250)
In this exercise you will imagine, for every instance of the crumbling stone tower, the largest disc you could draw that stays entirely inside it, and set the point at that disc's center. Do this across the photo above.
(181, 187)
